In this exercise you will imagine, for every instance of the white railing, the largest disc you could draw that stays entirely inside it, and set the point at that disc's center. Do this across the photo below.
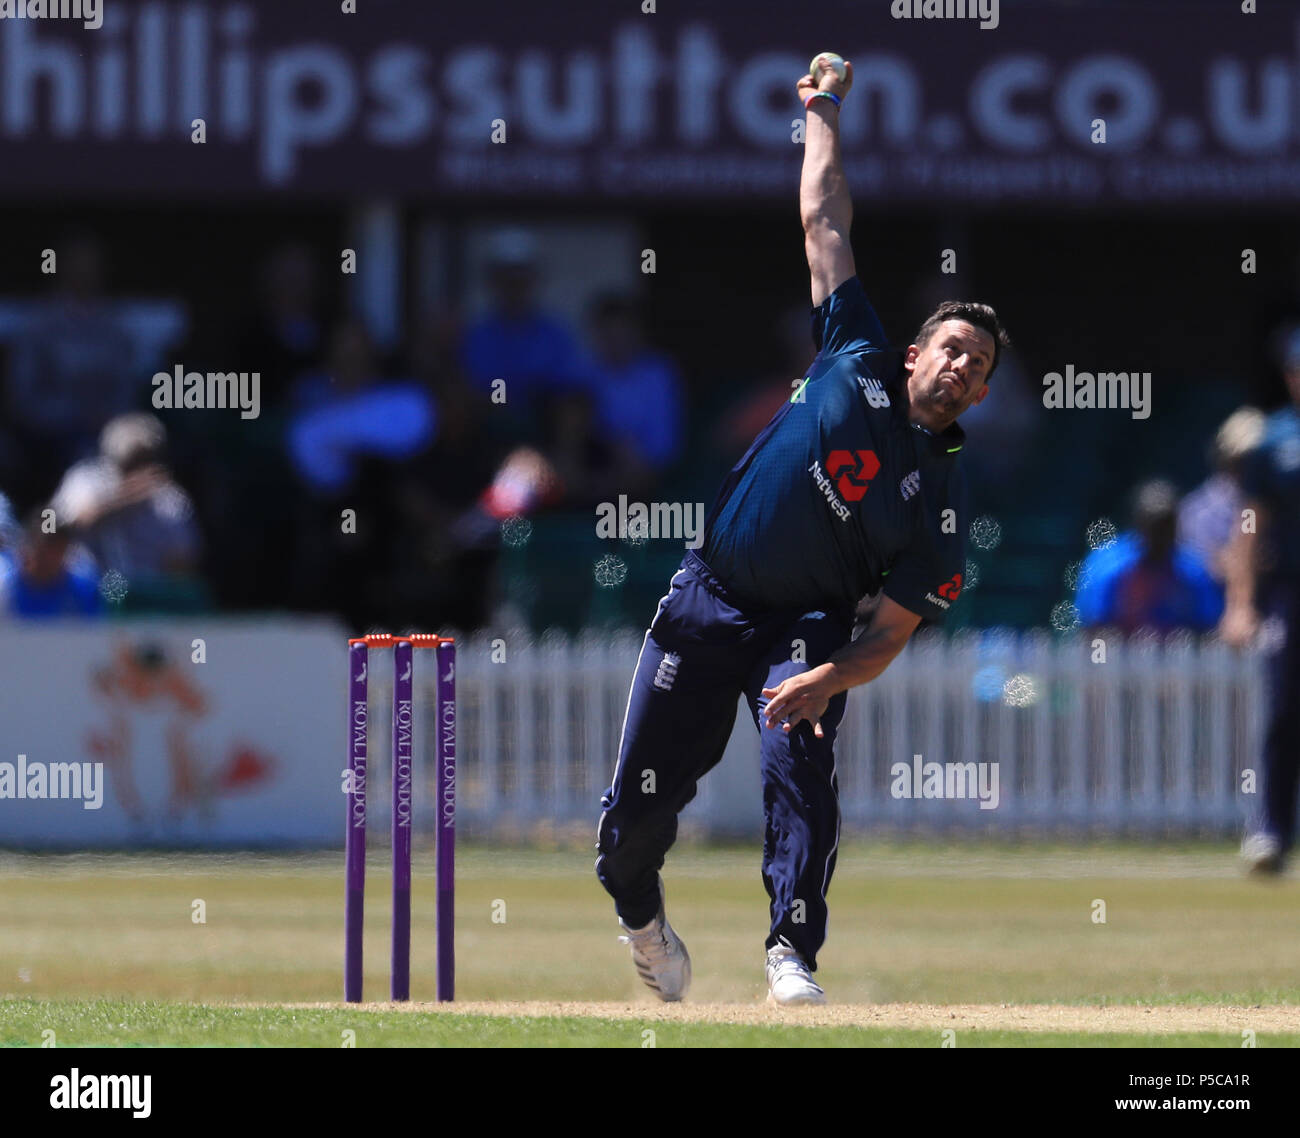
(1153, 740)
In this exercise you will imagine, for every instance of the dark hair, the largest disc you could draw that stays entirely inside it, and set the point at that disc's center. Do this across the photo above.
(980, 315)
(1155, 516)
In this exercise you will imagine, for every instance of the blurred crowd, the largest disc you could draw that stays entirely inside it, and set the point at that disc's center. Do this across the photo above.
(372, 485)
(1208, 560)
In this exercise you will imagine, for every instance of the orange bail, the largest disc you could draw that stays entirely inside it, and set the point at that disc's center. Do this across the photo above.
(388, 639)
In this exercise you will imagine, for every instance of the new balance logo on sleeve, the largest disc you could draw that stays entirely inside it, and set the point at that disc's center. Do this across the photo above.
(874, 391)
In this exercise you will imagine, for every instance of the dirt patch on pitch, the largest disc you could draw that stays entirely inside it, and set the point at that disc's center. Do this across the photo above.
(1122, 1018)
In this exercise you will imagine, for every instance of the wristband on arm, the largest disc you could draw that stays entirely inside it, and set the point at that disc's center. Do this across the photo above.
(822, 95)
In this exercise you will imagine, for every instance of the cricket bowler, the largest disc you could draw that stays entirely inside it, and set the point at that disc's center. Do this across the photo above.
(854, 488)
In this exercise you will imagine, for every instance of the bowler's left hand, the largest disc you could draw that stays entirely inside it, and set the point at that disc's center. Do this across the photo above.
(804, 696)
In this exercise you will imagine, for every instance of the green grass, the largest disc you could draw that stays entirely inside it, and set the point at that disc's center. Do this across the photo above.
(107, 1023)
(89, 942)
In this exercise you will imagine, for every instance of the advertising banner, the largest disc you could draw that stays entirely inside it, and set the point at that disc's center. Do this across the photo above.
(1080, 104)
(163, 733)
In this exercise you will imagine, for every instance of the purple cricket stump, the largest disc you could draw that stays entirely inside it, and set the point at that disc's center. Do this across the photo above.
(403, 749)
(445, 655)
(354, 842)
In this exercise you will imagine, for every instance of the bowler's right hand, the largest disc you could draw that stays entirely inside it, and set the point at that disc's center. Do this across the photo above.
(826, 80)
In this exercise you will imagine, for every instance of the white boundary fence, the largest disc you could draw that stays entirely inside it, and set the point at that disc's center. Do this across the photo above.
(1153, 741)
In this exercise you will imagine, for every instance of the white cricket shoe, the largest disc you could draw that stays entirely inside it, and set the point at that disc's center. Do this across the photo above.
(1262, 854)
(789, 980)
(660, 956)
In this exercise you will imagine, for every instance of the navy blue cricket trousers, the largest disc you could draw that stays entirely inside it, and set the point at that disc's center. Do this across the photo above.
(703, 651)
(1281, 765)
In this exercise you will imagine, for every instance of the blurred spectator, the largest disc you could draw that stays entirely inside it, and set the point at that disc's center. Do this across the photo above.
(532, 351)
(349, 431)
(1145, 579)
(449, 477)
(130, 512)
(637, 392)
(452, 499)
(43, 578)
(590, 467)
(1210, 514)
(287, 334)
(351, 411)
(476, 475)
(740, 423)
(69, 372)
(244, 503)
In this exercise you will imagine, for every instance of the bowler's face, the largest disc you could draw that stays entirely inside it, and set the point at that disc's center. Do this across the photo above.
(950, 373)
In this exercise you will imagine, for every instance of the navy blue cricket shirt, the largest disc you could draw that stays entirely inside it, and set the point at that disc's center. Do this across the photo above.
(840, 495)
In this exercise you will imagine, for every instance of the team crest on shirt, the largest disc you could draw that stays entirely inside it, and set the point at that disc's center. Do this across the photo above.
(666, 673)
(910, 484)
(874, 391)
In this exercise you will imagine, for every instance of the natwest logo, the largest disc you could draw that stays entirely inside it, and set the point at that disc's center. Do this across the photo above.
(852, 471)
(951, 589)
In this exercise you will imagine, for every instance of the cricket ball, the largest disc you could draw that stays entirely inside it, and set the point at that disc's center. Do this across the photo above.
(834, 60)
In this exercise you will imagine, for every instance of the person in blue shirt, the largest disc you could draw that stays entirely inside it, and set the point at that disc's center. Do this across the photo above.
(1210, 515)
(532, 351)
(40, 579)
(854, 487)
(625, 377)
(1145, 579)
(1263, 580)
